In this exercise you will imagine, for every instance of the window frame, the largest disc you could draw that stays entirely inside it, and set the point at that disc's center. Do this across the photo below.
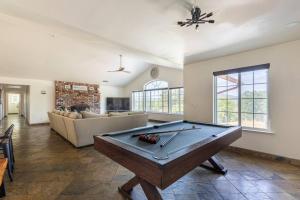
(168, 100)
(133, 98)
(179, 100)
(239, 71)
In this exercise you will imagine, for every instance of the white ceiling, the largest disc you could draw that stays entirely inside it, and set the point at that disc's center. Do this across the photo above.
(80, 40)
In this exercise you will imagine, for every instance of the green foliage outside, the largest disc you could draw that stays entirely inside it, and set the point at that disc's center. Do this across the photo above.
(247, 109)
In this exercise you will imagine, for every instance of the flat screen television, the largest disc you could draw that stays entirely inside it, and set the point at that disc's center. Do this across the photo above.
(117, 104)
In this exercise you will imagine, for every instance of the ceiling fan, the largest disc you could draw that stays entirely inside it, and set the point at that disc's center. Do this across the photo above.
(120, 68)
(197, 16)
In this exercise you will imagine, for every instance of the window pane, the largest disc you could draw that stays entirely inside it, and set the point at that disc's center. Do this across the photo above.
(260, 121)
(247, 105)
(222, 118)
(222, 93)
(247, 120)
(222, 105)
(261, 76)
(233, 79)
(260, 91)
(260, 106)
(156, 85)
(137, 101)
(147, 101)
(233, 118)
(222, 80)
(176, 100)
(233, 92)
(232, 105)
(247, 78)
(247, 91)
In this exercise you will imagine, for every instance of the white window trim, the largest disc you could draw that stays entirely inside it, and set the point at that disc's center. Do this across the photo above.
(268, 130)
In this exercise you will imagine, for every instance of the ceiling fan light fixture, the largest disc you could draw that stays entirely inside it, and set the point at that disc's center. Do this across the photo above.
(198, 17)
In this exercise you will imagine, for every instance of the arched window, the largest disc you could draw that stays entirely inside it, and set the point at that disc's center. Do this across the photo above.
(156, 85)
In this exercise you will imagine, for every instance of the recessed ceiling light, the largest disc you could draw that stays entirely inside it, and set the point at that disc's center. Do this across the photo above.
(293, 24)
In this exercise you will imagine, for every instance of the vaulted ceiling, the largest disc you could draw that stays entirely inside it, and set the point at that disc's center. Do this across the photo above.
(80, 40)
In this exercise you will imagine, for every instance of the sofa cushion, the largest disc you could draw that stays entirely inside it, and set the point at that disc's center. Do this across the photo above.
(75, 115)
(86, 114)
(66, 114)
(55, 111)
(118, 113)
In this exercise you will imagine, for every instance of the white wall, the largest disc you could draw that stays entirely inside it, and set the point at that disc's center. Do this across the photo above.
(109, 91)
(173, 76)
(284, 96)
(40, 104)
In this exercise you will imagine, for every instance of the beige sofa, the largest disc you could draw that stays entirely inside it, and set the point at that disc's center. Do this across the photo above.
(80, 132)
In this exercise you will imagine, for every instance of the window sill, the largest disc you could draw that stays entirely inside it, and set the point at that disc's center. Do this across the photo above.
(258, 131)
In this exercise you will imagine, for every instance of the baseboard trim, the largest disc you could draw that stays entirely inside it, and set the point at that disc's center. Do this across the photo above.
(157, 121)
(263, 155)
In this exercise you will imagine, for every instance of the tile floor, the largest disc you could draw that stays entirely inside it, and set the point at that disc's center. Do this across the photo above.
(48, 167)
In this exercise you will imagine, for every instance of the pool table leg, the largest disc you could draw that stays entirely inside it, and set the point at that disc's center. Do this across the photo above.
(216, 166)
(126, 189)
(150, 191)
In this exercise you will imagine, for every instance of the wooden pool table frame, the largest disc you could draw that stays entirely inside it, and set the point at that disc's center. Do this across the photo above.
(151, 173)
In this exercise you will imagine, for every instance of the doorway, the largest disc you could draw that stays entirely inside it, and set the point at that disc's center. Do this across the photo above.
(13, 103)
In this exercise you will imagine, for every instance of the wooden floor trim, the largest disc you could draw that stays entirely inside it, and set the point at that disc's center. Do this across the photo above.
(263, 155)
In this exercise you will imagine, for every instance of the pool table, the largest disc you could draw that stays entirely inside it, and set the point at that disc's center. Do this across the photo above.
(156, 165)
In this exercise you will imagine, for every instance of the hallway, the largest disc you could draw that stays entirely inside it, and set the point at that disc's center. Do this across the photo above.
(48, 167)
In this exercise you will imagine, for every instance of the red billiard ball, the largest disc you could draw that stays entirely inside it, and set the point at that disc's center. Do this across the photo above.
(143, 137)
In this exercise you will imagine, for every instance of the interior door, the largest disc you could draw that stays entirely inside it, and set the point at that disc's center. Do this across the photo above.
(13, 103)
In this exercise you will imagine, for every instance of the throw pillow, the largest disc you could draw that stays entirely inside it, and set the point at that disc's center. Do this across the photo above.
(75, 115)
(90, 115)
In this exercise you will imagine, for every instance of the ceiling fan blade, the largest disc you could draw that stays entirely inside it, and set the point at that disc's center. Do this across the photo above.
(114, 70)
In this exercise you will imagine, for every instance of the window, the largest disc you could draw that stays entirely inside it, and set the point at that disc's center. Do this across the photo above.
(155, 85)
(241, 97)
(158, 98)
(176, 100)
(137, 101)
